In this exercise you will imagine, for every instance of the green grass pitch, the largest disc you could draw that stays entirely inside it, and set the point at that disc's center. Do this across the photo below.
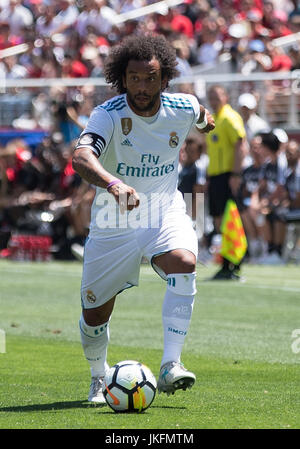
(240, 345)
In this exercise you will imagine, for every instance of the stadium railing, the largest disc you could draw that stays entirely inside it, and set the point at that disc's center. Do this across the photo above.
(278, 92)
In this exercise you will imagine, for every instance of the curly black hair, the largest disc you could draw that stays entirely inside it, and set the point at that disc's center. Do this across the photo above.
(139, 48)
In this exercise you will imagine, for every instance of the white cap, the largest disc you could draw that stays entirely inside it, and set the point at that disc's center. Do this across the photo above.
(238, 30)
(247, 100)
(281, 135)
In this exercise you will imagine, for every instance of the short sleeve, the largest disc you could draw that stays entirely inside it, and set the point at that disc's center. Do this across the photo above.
(196, 106)
(98, 131)
(235, 127)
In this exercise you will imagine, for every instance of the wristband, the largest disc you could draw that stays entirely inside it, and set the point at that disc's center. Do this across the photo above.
(116, 181)
(204, 122)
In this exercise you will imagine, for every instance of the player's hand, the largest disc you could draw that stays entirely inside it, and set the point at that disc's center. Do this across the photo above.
(210, 122)
(209, 118)
(234, 183)
(125, 196)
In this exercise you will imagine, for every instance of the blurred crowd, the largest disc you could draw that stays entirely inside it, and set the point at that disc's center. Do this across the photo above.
(70, 38)
(268, 194)
(39, 191)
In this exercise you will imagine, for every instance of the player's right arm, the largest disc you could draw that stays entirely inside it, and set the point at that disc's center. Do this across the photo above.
(86, 164)
(91, 144)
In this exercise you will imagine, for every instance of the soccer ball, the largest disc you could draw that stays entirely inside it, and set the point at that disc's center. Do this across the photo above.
(129, 386)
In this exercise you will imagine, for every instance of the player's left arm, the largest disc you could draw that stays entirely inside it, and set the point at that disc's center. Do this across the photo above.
(206, 121)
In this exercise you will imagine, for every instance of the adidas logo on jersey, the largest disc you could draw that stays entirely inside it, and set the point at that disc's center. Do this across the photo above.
(127, 143)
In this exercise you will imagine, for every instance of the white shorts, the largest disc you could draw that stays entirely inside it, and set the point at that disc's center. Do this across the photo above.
(112, 262)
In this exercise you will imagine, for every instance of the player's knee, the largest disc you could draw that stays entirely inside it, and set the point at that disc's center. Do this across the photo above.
(182, 283)
(177, 261)
(98, 315)
(187, 262)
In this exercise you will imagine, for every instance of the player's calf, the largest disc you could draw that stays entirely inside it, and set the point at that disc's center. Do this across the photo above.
(176, 314)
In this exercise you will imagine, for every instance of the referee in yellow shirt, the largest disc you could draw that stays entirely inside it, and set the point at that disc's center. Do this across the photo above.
(226, 149)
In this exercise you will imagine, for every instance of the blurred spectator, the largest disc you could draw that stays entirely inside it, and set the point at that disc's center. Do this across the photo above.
(66, 117)
(283, 142)
(6, 37)
(252, 121)
(279, 61)
(183, 53)
(248, 199)
(294, 54)
(73, 68)
(173, 21)
(292, 183)
(294, 19)
(44, 23)
(44, 182)
(11, 69)
(17, 15)
(192, 174)
(278, 93)
(272, 200)
(209, 43)
(274, 20)
(65, 18)
(96, 16)
(255, 59)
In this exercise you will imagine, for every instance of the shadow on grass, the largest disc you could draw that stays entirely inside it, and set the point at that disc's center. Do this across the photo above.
(68, 405)
(48, 407)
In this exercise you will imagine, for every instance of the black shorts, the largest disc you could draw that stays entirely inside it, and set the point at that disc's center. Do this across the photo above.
(218, 194)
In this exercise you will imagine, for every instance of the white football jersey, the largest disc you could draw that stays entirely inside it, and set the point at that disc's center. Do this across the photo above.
(142, 152)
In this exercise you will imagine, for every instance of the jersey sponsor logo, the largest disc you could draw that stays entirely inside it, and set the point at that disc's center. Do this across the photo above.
(126, 123)
(174, 139)
(144, 171)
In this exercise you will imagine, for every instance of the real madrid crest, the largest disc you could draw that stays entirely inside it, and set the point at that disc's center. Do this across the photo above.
(174, 139)
(86, 139)
(90, 296)
(126, 125)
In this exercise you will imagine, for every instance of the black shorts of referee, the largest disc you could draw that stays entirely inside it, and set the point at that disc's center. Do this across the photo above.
(219, 192)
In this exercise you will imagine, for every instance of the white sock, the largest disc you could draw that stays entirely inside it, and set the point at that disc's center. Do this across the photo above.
(176, 316)
(94, 340)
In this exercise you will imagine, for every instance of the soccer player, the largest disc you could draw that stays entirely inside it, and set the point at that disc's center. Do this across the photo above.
(129, 150)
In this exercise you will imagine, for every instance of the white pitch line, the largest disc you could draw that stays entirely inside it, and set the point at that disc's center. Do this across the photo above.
(275, 287)
(266, 287)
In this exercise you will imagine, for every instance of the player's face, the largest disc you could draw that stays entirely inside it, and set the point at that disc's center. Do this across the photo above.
(143, 83)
